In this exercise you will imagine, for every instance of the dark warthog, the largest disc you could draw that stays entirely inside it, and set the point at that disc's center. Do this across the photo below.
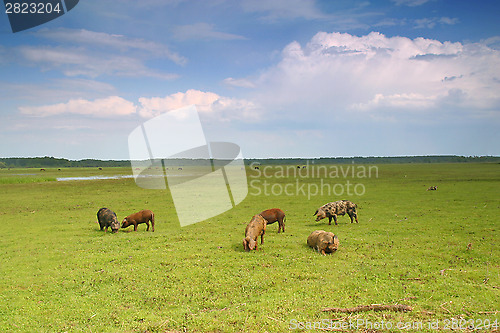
(107, 218)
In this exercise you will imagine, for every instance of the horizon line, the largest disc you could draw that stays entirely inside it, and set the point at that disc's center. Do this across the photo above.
(260, 158)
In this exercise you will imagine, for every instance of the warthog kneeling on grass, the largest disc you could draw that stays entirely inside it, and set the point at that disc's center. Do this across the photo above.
(107, 218)
(255, 228)
(332, 209)
(323, 242)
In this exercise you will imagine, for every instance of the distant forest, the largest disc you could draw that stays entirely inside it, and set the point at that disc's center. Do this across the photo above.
(52, 162)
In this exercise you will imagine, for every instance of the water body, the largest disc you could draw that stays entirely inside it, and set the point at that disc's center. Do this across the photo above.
(62, 179)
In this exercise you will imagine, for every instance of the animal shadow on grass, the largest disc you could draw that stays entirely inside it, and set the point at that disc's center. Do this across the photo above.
(326, 225)
(310, 250)
(98, 231)
(101, 232)
(238, 247)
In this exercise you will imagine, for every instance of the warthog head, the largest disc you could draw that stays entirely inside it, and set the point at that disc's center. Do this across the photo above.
(249, 244)
(115, 225)
(125, 223)
(321, 214)
(333, 246)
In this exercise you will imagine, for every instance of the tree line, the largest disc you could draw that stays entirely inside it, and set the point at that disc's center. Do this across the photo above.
(52, 162)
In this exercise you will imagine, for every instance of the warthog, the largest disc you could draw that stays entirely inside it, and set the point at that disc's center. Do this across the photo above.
(144, 216)
(107, 218)
(255, 228)
(323, 242)
(332, 209)
(273, 215)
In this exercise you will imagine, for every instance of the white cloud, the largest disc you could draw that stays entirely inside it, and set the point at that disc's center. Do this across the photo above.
(202, 31)
(431, 22)
(449, 20)
(92, 54)
(492, 42)
(55, 90)
(288, 9)
(151, 4)
(242, 83)
(338, 16)
(337, 73)
(105, 107)
(110, 41)
(151, 107)
(410, 3)
(208, 103)
(424, 23)
(397, 101)
(82, 62)
(390, 22)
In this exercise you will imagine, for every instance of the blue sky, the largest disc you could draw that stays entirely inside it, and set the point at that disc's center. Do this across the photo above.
(283, 78)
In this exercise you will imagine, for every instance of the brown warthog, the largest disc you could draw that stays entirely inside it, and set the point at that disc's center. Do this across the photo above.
(255, 228)
(323, 242)
(144, 216)
(273, 215)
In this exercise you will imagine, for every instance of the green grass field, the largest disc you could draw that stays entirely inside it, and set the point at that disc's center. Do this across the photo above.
(436, 251)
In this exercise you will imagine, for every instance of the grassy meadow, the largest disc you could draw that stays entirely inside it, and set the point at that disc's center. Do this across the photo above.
(436, 251)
